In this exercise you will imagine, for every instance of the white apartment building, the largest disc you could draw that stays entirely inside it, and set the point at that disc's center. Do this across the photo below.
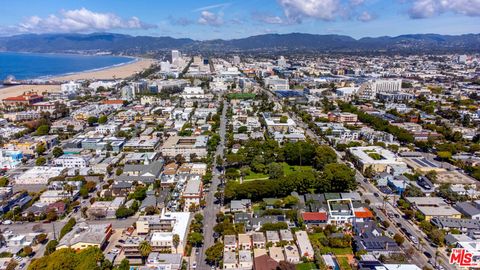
(72, 161)
(70, 87)
(107, 129)
(369, 90)
(176, 145)
(39, 175)
(193, 193)
(276, 83)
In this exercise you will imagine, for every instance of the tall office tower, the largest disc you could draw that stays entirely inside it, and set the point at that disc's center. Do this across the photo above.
(175, 55)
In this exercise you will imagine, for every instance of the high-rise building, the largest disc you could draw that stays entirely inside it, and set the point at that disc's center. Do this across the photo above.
(236, 60)
(281, 62)
(175, 56)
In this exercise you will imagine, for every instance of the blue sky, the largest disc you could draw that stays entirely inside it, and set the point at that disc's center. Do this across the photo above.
(235, 19)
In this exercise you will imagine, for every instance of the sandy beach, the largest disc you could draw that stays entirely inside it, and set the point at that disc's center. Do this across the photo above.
(118, 72)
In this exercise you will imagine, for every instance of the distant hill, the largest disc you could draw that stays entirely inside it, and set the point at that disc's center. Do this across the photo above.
(118, 43)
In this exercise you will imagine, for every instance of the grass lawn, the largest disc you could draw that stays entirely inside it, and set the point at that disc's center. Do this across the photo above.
(255, 176)
(337, 251)
(316, 236)
(306, 266)
(343, 263)
(295, 169)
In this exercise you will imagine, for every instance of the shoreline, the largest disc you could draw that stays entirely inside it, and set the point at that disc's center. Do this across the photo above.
(118, 71)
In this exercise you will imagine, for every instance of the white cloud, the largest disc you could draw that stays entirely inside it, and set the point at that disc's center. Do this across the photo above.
(429, 8)
(212, 7)
(210, 18)
(296, 10)
(78, 20)
(365, 17)
(356, 2)
(267, 18)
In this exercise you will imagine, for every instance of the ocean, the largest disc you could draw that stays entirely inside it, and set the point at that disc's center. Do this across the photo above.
(37, 65)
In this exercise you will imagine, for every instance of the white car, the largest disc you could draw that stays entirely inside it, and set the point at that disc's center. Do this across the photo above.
(194, 265)
(7, 222)
(414, 239)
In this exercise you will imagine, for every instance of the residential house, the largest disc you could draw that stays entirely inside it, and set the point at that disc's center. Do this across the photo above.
(230, 243)
(304, 245)
(291, 254)
(245, 260)
(244, 241)
(258, 240)
(276, 253)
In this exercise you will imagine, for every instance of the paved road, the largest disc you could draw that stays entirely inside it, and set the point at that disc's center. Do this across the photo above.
(418, 257)
(211, 209)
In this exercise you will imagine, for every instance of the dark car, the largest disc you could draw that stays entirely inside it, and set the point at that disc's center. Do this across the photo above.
(427, 254)
(376, 195)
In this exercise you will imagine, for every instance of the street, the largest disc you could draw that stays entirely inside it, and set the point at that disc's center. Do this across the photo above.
(211, 209)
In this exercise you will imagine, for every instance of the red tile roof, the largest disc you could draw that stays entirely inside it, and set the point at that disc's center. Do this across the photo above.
(313, 216)
(113, 101)
(363, 213)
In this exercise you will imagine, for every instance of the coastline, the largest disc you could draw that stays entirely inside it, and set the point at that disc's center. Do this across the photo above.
(119, 71)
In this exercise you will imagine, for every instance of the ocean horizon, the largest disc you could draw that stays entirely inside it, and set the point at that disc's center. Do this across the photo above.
(29, 66)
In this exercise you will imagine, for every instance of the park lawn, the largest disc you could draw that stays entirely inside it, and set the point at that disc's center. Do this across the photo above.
(306, 266)
(343, 263)
(288, 170)
(255, 176)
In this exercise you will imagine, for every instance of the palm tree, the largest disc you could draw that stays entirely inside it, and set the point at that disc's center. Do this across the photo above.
(385, 200)
(176, 242)
(145, 248)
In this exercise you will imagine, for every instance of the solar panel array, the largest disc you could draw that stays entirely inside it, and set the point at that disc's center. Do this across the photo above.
(424, 162)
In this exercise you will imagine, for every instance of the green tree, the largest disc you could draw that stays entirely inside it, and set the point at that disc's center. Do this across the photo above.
(57, 151)
(42, 130)
(123, 212)
(275, 170)
(340, 177)
(27, 251)
(4, 181)
(195, 238)
(399, 239)
(324, 155)
(40, 149)
(40, 161)
(102, 119)
(50, 247)
(92, 120)
(65, 258)
(67, 227)
(242, 129)
(124, 265)
(145, 249)
(214, 254)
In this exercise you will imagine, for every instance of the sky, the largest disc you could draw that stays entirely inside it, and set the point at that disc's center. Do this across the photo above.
(208, 19)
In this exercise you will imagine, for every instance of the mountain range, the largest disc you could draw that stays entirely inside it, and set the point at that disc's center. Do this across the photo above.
(119, 43)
